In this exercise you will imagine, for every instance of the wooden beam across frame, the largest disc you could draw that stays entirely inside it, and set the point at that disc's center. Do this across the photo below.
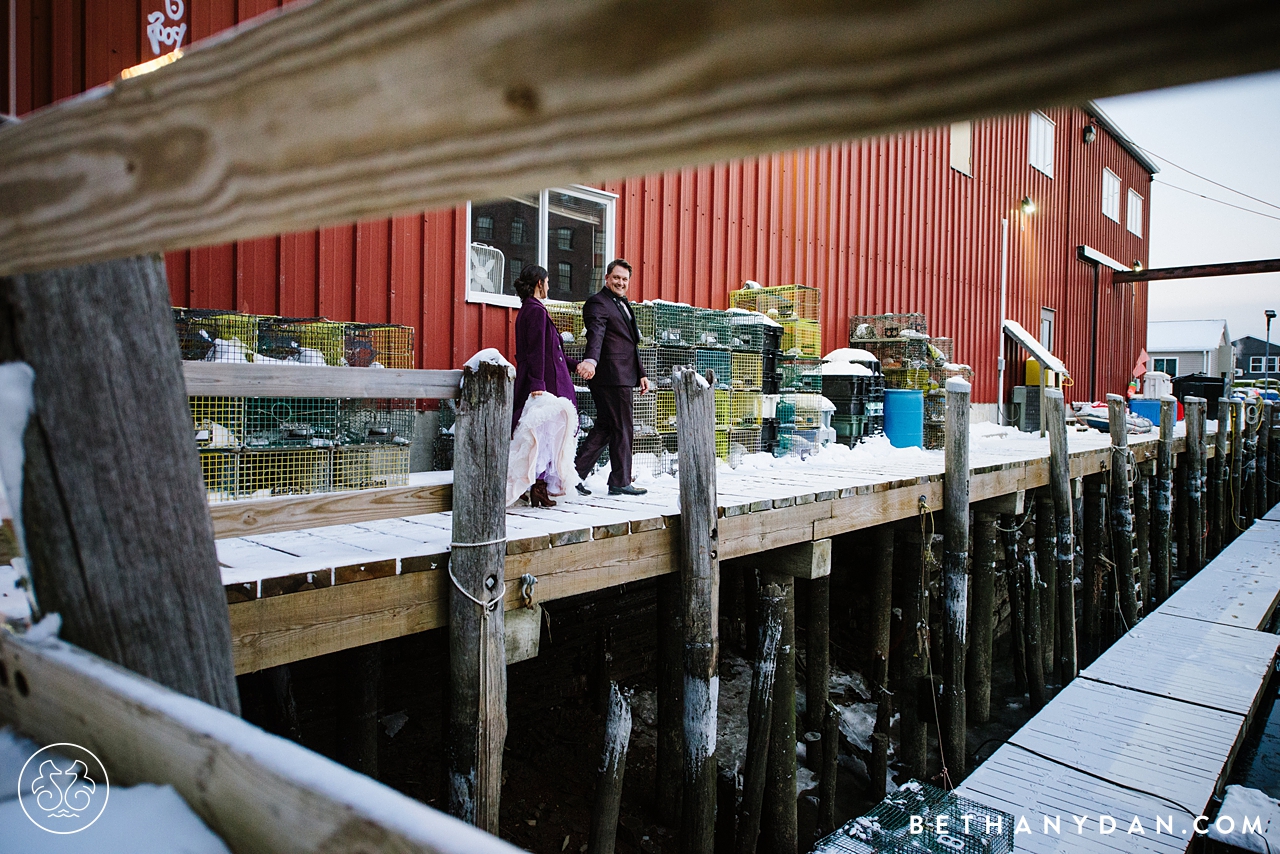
(1200, 271)
(341, 110)
(222, 379)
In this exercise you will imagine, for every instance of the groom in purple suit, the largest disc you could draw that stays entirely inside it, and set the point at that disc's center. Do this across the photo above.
(612, 369)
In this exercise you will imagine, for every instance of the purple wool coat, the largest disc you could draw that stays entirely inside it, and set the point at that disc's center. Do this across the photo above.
(540, 361)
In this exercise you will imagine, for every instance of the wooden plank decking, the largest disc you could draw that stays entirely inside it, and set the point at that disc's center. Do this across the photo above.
(1153, 726)
(290, 593)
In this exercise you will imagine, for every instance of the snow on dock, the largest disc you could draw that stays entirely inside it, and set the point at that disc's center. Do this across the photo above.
(1151, 728)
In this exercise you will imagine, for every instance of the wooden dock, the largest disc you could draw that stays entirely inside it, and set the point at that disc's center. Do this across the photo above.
(291, 565)
(1151, 728)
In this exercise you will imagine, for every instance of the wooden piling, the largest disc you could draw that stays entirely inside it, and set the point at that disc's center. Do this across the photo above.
(818, 653)
(831, 768)
(1221, 476)
(1142, 536)
(1047, 566)
(357, 715)
(955, 576)
(778, 818)
(1262, 466)
(1121, 509)
(613, 767)
(700, 576)
(1272, 469)
(669, 770)
(1236, 510)
(1193, 409)
(1181, 524)
(116, 521)
(726, 811)
(477, 655)
(1162, 505)
(1060, 488)
(881, 637)
(978, 666)
(908, 598)
(1252, 421)
(1095, 499)
(770, 610)
(1017, 602)
(1031, 594)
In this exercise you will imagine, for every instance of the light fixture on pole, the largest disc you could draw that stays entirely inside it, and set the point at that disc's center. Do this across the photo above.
(1028, 206)
(1090, 134)
(1266, 359)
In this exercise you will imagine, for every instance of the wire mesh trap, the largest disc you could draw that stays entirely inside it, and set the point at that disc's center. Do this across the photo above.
(264, 473)
(802, 338)
(870, 326)
(218, 421)
(370, 467)
(376, 421)
(291, 422)
(943, 823)
(369, 344)
(308, 340)
(213, 335)
(780, 302)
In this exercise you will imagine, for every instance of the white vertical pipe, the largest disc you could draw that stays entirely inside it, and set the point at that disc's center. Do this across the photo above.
(13, 58)
(1004, 293)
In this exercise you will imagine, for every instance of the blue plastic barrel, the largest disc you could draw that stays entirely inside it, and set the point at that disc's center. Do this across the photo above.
(1149, 409)
(904, 417)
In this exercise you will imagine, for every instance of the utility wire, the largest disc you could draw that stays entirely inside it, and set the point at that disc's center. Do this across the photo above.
(1219, 201)
(1210, 180)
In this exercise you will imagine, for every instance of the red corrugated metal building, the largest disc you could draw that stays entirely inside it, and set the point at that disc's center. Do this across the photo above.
(880, 225)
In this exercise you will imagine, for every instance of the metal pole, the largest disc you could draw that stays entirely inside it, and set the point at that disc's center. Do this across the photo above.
(1004, 284)
(1266, 359)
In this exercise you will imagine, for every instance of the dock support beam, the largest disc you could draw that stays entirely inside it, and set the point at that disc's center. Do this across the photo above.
(669, 774)
(1030, 584)
(908, 597)
(1047, 566)
(613, 767)
(1252, 419)
(700, 575)
(1063, 508)
(1121, 511)
(770, 608)
(955, 576)
(1162, 524)
(1142, 536)
(1263, 465)
(477, 652)
(881, 640)
(1236, 510)
(1221, 472)
(358, 709)
(978, 666)
(1195, 417)
(778, 819)
(1095, 516)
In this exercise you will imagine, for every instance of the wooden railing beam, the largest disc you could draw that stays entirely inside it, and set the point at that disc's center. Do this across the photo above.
(224, 379)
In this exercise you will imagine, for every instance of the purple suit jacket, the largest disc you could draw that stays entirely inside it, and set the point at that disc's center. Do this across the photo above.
(612, 339)
(540, 361)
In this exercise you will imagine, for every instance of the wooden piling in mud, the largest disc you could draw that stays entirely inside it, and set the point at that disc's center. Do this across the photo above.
(1236, 510)
(1095, 500)
(830, 768)
(477, 655)
(1017, 604)
(818, 652)
(908, 597)
(669, 770)
(1142, 536)
(955, 575)
(1031, 595)
(1252, 422)
(1063, 509)
(978, 666)
(1162, 503)
(1047, 566)
(1193, 409)
(778, 818)
(1262, 467)
(700, 577)
(881, 638)
(613, 767)
(1121, 509)
(770, 609)
(357, 714)
(1221, 477)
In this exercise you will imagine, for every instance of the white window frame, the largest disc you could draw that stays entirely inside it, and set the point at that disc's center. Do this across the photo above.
(1262, 362)
(961, 147)
(1133, 212)
(1041, 142)
(1255, 364)
(1110, 195)
(1049, 316)
(1164, 366)
(610, 202)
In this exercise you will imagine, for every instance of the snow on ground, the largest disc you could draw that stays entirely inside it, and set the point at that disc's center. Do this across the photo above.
(1241, 804)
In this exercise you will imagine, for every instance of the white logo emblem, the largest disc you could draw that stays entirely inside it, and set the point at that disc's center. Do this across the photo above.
(63, 788)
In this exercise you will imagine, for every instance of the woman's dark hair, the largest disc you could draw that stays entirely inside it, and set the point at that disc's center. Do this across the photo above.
(528, 281)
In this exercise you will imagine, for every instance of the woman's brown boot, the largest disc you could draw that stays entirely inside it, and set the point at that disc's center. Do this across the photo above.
(538, 496)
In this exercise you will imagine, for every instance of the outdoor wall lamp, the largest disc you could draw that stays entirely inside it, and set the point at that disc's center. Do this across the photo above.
(1137, 266)
(1028, 206)
(1090, 133)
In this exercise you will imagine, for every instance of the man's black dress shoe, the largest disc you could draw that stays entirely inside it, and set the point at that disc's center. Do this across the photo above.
(582, 490)
(627, 490)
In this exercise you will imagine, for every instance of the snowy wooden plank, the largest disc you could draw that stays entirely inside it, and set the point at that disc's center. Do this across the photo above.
(223, 379)
(1232, 597)
(256, 791)
(1170, 749)
(305, 544)
(1033, 788)
(1221, 667)
(1272, 515)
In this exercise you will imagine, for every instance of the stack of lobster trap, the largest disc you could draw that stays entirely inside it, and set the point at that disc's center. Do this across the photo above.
(254, 447)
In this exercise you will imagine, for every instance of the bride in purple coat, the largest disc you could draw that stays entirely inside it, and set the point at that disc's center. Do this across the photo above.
(542, 368)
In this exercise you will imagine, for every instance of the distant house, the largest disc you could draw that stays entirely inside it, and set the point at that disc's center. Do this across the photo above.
(1180, 347)
(1250, 353)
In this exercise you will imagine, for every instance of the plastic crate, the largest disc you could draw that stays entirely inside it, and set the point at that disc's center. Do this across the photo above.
(200, 329)
(720, 362)
(218, 421)
(780, 302)
(802, 338)
(872, 326)
(713, 329)
(748, 370)
(309, 340)
(264, 473)
(370, 467)
(291, 422)
(385, 344)
(675, 324)
(220, 470)
(377, 421)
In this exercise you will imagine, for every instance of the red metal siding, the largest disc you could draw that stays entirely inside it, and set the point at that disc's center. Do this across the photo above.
(879, 225)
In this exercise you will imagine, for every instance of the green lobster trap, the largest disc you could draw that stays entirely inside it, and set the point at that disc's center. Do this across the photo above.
(291, 422)
(668, 358)
(780, 302)
(801, 374)
(967, 826)
(567, 317)
(747, 330)
(675, 324)
(284, 471)
(713, 329)
(219, 470)
(377, 421)
(307, 340)
(370, 467)
(200, 330)
(718, 361)
(218, 421)
(645, 323)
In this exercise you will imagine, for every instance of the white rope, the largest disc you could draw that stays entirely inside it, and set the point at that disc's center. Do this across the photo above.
(477, 545)
(487, 607)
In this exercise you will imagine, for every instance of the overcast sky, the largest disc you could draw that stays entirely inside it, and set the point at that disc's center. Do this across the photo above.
(1229, 132)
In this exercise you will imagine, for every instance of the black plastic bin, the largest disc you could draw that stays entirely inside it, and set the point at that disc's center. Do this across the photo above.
(1199, 385)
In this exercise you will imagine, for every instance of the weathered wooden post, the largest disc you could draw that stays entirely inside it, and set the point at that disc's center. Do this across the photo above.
(669, 773)
(1121, 510)
(831, 765)
(955, 576)
(117, 530)
(613, 767)
(1252, 418)
(477, 655)
(699, 572)
(778, 818)
(1095, 499)
(1060, 488)
(1162, 524)
(908, 593)
(881, 637)
(771, 607)
(978, 666)
(1221, 476)
(358, 709)
(1193, 408)
(1263, 465)
(1017, 606)
(1034, 656)
(1047, 566)
(1236, 511)
(1142, 535)
(818, 653)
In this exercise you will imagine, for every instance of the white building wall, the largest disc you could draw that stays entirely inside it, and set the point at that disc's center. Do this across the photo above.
(1189, 361)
